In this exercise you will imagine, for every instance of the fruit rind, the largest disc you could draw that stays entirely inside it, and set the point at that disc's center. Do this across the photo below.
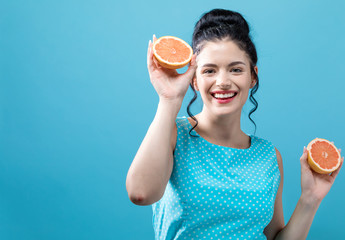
(314, 165)
(167, 64)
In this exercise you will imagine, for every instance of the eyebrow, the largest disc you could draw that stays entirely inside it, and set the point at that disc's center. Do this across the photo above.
(229, 65)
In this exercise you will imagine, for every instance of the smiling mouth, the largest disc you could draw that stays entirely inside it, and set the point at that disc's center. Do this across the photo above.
(224, 96)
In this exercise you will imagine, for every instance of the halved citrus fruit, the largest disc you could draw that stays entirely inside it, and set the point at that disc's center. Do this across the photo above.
(172, 52)
(323, 156)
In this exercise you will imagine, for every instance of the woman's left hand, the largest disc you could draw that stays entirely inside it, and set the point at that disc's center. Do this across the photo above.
(315, 185)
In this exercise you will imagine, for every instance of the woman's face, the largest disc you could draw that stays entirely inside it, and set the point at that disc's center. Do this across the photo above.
(223, 77)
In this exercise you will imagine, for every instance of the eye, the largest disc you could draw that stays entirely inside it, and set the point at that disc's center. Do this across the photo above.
(208, 71)
(236, 70)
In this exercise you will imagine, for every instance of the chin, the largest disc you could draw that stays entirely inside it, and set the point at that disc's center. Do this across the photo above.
(226, 112)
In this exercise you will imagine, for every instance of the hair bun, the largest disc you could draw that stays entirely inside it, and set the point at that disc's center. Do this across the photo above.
(219, 18)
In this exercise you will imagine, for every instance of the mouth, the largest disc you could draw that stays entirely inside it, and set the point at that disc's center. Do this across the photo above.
(226, 96)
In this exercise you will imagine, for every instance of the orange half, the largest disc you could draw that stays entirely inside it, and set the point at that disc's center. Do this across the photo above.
(172, 52)
(323, 156)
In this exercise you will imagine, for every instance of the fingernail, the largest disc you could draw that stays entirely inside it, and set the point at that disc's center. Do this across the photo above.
(304, 149)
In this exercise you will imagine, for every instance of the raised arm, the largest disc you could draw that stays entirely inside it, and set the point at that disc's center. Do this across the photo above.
(315, 187)
(151, 168)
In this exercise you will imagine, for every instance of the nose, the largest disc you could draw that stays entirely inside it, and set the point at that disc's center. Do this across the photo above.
(223, 80)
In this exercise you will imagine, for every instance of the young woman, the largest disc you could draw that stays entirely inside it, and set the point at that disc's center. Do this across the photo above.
(205, 177)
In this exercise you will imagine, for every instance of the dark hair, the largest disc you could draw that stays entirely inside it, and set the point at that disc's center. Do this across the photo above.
(217, 25)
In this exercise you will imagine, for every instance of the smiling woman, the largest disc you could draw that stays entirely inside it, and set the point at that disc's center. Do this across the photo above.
(224, 69)
(212, 180)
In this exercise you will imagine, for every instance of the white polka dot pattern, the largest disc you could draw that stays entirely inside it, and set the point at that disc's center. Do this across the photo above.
(217, 192)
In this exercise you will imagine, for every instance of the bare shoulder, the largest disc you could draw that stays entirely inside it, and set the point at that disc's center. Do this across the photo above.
(280, 161)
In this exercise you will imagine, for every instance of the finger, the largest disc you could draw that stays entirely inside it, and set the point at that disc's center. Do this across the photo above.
(335, 173)
(304, 155)
(304, 158)
(193, 60)
(170, 72)
(191, 68)
(339, 150)
(150, 64)
(155, 62)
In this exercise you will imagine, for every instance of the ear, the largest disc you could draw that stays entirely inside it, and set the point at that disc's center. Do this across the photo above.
(195, 85)
(254, 79)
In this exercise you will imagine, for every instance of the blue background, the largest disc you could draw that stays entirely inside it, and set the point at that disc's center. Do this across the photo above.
(76, 102)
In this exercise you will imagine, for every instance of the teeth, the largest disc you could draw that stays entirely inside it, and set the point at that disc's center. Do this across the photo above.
(218, 95)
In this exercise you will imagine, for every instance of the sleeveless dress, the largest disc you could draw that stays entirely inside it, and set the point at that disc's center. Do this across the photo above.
(217, 192)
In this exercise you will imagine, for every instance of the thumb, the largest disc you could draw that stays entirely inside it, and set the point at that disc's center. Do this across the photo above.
(191, 69)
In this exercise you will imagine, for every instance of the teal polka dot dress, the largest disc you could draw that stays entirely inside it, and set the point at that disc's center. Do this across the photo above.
(217, 192)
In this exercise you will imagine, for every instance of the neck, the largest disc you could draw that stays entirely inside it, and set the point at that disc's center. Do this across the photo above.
(222, 129)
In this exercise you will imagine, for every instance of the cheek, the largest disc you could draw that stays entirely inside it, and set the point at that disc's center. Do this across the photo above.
(245, 92)
(245, 82)
(204, 87)
(203, 84)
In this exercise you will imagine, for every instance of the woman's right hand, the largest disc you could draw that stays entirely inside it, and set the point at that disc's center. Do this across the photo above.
(169, 84)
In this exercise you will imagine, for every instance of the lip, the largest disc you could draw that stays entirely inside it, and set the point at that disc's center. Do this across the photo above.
(222, 101)
(223, 92)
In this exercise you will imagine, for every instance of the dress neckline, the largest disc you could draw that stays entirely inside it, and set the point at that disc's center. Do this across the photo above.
(215, 145)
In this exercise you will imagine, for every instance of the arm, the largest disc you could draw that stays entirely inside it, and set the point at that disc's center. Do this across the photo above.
(277, 223)
(151, 168)
(301, 219)
(314, 188)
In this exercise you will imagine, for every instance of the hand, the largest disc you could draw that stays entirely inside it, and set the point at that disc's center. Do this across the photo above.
(168, 83)
(316, 185)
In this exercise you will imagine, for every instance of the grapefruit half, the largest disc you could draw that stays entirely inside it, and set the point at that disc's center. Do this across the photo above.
(323, 156)
(172, 52)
